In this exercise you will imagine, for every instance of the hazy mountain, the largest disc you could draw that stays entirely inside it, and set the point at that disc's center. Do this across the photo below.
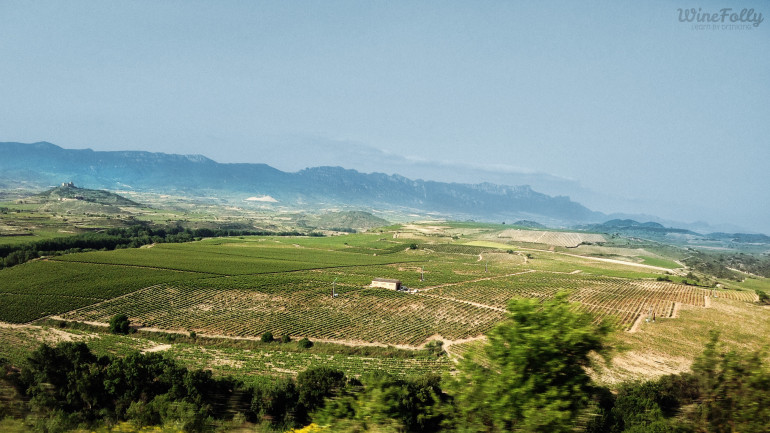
(45, 164)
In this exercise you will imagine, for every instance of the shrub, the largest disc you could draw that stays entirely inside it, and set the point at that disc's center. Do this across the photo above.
(285, 338)
(267, 337)
(119, 324)
(305, 343)
(763, 297)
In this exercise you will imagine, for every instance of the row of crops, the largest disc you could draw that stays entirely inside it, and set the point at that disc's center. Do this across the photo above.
(373, 315)
(283, 285)
(41, 288)
(286, 363)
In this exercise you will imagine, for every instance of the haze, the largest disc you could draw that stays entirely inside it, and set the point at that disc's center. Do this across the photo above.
(617, 104)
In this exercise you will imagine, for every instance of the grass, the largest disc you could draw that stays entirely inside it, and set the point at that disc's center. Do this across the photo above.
(661, 263)
(670, 345)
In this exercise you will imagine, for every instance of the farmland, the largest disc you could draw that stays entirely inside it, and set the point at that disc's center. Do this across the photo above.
(241, 287)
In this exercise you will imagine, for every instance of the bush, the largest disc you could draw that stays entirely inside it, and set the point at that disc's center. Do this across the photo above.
(763, 297)
(267, 337)
(305, 343)
(285, 338)
(119, 324)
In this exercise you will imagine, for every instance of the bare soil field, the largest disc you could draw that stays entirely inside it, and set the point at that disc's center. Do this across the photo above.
(558, 239)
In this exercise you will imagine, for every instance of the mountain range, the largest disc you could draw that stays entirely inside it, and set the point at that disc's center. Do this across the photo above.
(43, 164)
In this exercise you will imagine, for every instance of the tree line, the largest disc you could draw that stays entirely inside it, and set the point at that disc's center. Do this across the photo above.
(116, 238)
(532, 378)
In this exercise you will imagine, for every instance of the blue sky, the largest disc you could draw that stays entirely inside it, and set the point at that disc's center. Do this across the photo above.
(617, 104)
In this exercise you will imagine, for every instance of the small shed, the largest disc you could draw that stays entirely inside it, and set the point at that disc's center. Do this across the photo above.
(386, 283)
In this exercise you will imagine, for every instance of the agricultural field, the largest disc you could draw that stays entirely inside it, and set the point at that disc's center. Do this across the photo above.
(559, 239)
(246, 360)
(461, 278)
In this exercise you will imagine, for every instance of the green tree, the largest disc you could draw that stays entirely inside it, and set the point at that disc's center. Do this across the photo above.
(385, 403)
(534, 377)
(267, 337)
(119, 324)
(733, 386)
(316, 384)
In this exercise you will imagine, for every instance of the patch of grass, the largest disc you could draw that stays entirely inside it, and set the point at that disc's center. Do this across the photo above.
(661, 263)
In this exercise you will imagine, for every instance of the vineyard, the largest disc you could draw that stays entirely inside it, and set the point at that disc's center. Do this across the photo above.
(284, 363)
(40, 288)
(243, 287)
(559, 239)
(370, 315)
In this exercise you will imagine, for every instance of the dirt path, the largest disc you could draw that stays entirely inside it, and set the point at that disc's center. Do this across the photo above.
(157, 348)
(637, 324)
(450, 343)
(600, 259)
(675, 313)
(619, 262)
(707, 301)
(745, 273)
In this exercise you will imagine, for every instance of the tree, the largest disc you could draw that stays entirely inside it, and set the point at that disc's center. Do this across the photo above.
(733, 389)
(318, 383)
(119, 324)
(305, 343)
(534, 378)
(267, 337)
(385, 403)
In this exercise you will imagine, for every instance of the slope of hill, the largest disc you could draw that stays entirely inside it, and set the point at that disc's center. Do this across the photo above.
(69, 191)
(46, 163)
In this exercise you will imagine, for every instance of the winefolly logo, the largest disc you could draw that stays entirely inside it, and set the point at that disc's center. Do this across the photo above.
(724, 19)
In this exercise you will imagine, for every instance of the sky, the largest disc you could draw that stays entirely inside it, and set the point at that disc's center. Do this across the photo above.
(619, 104)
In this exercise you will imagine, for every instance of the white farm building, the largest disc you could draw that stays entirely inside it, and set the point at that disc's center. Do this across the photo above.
(386, 283)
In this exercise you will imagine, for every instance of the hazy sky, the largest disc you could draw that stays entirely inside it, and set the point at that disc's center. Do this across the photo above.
(619, 98)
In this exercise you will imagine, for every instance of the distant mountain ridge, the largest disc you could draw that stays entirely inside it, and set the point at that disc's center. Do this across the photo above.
(45, 164)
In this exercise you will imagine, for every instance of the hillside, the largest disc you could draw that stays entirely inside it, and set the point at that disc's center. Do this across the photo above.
(45, 163)
(68, 191)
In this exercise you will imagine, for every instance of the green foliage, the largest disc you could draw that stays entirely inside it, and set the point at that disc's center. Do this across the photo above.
(305, 343)
(267, 337)
(535, 378)
(69, 385)
(317, 384)
(763, 297)
(119, 324)
(286, 338)
(276, 403)
(734, 390)
(435, 348)
(652, 405)
(386, 403)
